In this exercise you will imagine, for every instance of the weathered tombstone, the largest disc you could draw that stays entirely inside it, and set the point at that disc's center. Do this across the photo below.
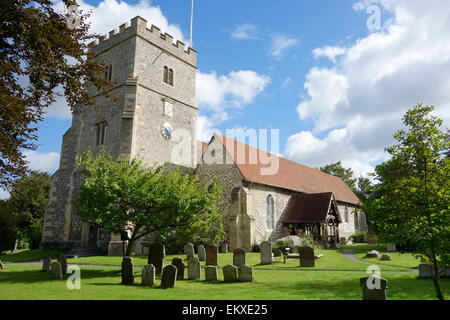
(178, 263)
(46, 264)
(63, 261)
(385, 257)
(391, 247)
(277, 253)
(266, 252)
(56, 270)
(211, 273)
(156, 255)
(230, 273)
(189, 250)
(245, 274)
(306, 257)
(127, 271)
(201, 253)
(148, 275)
(239, 257)
(193, 268)
(374, 288)
(342, 241)
(169, 276)
(212, 256)
(372, 254)
(2, 266)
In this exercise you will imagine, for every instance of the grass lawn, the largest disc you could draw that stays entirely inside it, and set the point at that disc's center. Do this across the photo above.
(332, 260)
(397, 259)
(28, 282)
(29, 255)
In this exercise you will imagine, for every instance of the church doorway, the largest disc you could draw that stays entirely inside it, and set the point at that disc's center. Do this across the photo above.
(93, 234)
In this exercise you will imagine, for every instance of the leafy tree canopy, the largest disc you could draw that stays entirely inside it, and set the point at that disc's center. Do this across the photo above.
(40, 52)
(123, 194)
(336, 169)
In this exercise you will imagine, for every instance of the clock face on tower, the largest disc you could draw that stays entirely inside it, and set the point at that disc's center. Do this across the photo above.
(167, 131)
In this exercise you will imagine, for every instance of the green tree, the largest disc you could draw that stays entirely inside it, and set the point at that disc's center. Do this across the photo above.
(123, 194)
(411, 200)
(8, 228)
(363, 189)
(28, 200)
(42, 56)
(336, 169)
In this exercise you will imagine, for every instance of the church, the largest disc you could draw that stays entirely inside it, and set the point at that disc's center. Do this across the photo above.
(154, 117)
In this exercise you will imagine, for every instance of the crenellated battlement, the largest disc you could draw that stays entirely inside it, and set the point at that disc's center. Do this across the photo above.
(138, 27)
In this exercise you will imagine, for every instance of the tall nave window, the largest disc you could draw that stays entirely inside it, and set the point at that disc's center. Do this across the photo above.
(100, 133)
(270, 219)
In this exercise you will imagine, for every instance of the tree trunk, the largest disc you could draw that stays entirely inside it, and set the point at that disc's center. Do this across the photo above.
(436, 278)
(130, 247)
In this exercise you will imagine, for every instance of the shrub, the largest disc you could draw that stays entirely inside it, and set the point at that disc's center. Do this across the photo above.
(256, 248)
(359, 237)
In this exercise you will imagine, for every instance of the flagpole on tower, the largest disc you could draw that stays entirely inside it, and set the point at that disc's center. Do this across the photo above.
(192, 20)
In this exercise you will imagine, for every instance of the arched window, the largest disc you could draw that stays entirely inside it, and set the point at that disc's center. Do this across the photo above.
(346, 214)
(166, 74)
(170, 77)
(100, 133)
(270, 221)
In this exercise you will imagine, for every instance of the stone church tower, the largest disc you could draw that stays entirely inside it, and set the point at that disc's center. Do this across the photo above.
(155, 114)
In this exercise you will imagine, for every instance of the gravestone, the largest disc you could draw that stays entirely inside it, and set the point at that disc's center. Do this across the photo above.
(127, 271)
(277, 253)
(306, 257)
(385, 257)
(46, 264)
(169, 276)
(156, 255)
(371, 238)
(148, 276)
(245, 274)
(230, 273)
(193, 268)
(211, 273)
(375, 289)
(372, 254)
(189, 250)
(239, 257)
(212, 256)
(178, 263)
(56, 270)
(342, 241)
(391, 247)
(201, 253)
(2, 266)
(63, 261)
(266, 252)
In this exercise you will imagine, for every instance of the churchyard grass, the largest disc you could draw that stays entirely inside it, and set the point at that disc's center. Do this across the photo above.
(406, 260)
(29, 255)
(331, 260)
(28, 282)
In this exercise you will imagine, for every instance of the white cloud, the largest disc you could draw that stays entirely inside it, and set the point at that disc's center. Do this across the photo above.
(216, 95)
(366, 92)
(48, 162)
(246, 31)
(280, 45)
(286, 82)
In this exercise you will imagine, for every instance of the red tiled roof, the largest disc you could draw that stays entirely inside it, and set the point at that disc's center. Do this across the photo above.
(309, 207)
(201, 146)
(290, 175)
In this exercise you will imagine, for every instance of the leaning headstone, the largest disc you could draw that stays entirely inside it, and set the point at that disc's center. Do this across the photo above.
(2, 266)
(63, 261)
(169, 276)
(245, 274)
(211, 273)
(239, 257)
(277, 253)
(266, 252)
(148, 276)
(127, 271)
(201, 253)
(178, 263)
(189, 250)
(306, 257)
(212, 256)
(391, 247)
(385, 257)
(230, 273)
(156, 255)
(374, 288)
(372, 254)
(56, 270)
(46, 264)
(193, 269)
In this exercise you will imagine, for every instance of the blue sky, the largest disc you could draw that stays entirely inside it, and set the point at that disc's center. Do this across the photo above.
(334, 88)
